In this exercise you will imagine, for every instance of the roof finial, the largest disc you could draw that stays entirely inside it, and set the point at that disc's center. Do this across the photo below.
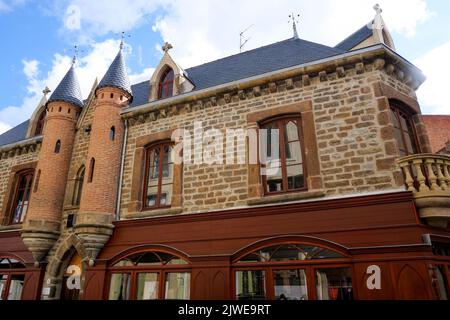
(46, 91)
(75, 54)
(121, 40)
(378, 23)
(166, 47)
(377, 9)
(295, 20)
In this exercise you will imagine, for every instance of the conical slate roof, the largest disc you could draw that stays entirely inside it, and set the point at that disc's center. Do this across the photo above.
(68, 90)
(117, 76)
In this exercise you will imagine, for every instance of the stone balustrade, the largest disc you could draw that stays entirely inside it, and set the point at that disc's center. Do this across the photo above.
(428, 177)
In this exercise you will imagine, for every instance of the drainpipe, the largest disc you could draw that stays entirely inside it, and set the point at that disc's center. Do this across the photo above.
(122, 161)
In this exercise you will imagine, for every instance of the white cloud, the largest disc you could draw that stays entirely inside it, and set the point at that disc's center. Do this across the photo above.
(30, 68)
(433, 94)
(9, 5)
(205, 30)
(145, 75)
(88, 68)
(201, 31)
(103, 16)
(4, 127)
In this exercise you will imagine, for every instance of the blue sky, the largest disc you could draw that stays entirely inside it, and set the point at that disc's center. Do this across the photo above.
(38, 38)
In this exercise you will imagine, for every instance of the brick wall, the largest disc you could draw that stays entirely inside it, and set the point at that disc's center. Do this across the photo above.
(438, 128)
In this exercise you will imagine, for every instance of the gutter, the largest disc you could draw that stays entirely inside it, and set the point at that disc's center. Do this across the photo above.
(122, 162)
(309, 67)
(21, 143)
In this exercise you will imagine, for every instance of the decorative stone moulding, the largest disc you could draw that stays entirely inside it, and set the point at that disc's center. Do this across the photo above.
(427, 176)
(20, 148)
(382, 59)
(94, 230)
(39, 236)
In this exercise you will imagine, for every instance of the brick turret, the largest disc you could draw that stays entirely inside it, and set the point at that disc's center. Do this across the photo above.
(99, 198)
(42, 224)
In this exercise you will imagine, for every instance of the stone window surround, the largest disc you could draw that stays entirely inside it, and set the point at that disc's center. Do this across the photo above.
(135, 207)
(10, 194)
(385, 93)
(313, 177)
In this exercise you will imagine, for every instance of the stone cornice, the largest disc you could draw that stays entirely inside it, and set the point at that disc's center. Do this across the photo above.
(21, 147)
(378, 57)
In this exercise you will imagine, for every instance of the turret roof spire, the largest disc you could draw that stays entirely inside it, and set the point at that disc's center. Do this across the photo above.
(68, 89)
(117, 76)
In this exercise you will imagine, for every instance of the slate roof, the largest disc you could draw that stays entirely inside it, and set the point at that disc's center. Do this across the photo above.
(68, 90)
(355, 39)
(15, 134)
(280, 55)
(117, 76)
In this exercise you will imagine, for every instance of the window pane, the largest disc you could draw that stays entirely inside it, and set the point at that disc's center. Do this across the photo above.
(251, 285)
(147, 286)
(120, 286)
(291, 131)
(287, 253)
(334, 284)
(274, 176)
(178, 286)
(394, 119)
(293, 153)
(295, 177)
(146, 259)
(290, 285)
(16, 287)
(151, 196)
(3, 279)
(166, 195)
(411, 137)
(269, 143)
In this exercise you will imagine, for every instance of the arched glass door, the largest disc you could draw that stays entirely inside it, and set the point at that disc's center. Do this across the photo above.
(149, 275)
(11, 279)
(293, 271)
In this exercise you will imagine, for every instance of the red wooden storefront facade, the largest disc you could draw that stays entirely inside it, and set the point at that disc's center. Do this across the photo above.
(377, 235)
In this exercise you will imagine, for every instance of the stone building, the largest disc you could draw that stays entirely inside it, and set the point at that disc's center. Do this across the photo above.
(95, 203)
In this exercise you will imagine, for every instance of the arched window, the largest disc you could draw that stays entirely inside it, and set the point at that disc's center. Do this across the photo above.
(293, 271)
(282, 155)
(21, 196)
(112, 133)
(36, 183)
(91, 170)
(165, 87)
(404, 130)
(11, 279)
(150, 275)
(40, 124)
(78, 188)
(58, 146)
(158, 180)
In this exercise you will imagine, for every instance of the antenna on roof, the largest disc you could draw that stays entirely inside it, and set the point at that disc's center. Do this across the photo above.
(295, 20)
(242, 42)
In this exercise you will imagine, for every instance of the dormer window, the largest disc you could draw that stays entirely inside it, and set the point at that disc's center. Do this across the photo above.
(40, 124)
(165, 88)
